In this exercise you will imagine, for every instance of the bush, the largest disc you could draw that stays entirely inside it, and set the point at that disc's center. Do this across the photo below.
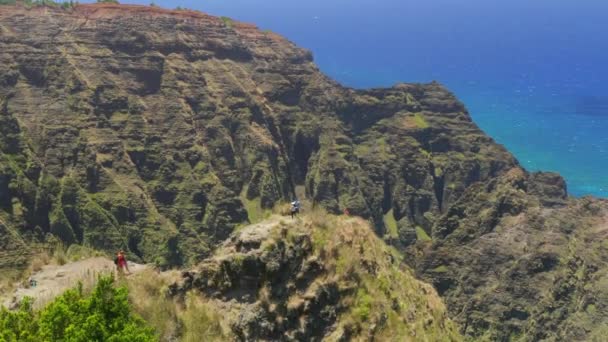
(104, 315)
(227, 22)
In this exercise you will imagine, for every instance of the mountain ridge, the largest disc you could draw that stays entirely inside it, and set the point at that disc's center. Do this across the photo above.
(298, 119)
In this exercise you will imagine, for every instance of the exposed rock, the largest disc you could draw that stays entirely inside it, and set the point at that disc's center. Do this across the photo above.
(303, 282)
(521, 265)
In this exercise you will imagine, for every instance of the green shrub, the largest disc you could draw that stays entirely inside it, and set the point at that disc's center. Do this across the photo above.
(227, 22)
(38, 3)
(104, 315)
(363, 305)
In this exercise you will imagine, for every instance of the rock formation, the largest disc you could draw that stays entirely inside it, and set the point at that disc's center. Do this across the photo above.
(318, 278)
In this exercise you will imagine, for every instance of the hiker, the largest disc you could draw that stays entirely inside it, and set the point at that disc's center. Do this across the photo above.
(32, 282)
(121, 262)
(295, 208)
(346, 212)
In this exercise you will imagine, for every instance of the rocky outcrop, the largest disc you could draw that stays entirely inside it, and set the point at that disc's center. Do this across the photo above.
(262, 274)
(301, 281)
(515, 260)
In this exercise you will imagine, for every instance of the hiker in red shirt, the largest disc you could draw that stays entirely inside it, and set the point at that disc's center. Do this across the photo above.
(121, 262)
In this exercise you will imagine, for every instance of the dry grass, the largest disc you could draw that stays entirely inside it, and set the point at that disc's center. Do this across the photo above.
(261, 135)
(38, 262)
(384, 289)
(415, 121)
(13, 278)
(148, 297)
(193, 320)
(201, 322)
(283, 209)
(60, 256)
(320, 218)
(8, 281)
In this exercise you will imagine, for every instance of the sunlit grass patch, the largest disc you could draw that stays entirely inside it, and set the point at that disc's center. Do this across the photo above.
(391, 224)
(420, 121)
(421, 235)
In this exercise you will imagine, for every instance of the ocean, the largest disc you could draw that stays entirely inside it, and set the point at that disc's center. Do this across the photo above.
(533, 74)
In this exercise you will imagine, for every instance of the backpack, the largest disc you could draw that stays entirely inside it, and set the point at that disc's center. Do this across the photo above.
(116, 261)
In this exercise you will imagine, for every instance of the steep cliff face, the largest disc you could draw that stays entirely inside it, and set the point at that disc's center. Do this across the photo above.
(152, 130)
(514, 262)
(161, 132)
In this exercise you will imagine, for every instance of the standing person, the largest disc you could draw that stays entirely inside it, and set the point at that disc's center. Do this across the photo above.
(295, 208)
(121, 263)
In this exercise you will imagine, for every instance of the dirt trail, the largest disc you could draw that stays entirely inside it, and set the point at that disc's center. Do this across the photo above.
(53, 280)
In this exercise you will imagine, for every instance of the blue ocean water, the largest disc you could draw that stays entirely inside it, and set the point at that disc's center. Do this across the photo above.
(533, 74)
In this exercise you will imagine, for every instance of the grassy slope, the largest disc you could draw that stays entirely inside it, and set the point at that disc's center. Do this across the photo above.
(385, 289)
(377, 296)
(195, 319)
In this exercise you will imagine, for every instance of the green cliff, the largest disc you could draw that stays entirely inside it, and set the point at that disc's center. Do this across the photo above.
(121, 132)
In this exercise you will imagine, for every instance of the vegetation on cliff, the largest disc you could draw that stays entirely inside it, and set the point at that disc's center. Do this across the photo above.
(159, 144)
(189, 318)
(103, 315)
(35, 3)
(318, 277)
(535, 264)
